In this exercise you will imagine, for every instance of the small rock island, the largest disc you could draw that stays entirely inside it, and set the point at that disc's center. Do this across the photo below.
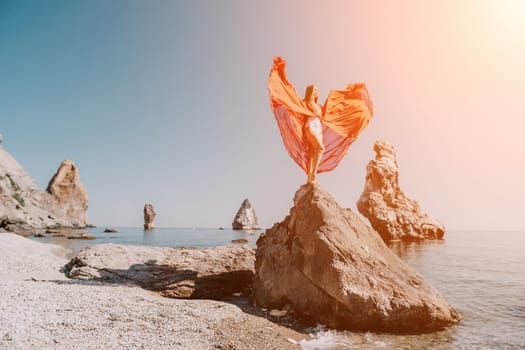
(246, 219)
(149, 217)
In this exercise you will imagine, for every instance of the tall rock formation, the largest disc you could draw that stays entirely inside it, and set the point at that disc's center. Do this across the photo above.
(23, 207)
(246, 219)
(390, 212)
(70, 194)
(330, 267)
(149, 217)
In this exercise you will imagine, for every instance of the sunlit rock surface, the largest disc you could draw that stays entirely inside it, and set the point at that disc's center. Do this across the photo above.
(390, 212)
(246, 219)
(24, 208)
(212, 273)
(328, 266)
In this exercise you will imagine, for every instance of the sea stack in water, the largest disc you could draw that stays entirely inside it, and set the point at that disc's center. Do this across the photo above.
(149, 217)
(331, 268)
(391, 213)
(246, 219)
(24, 208)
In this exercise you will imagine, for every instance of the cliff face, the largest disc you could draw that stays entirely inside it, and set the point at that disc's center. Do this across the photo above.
(23, 207)
(392, 213)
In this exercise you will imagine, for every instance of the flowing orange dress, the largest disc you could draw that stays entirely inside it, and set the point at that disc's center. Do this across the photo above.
(344, 115)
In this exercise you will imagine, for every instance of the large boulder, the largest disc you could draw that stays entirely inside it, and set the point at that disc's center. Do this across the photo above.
(246, 219)
(23, 207)
(69, 192)
(149, 217)
(330, 267)
(390, 212)
(212, 273)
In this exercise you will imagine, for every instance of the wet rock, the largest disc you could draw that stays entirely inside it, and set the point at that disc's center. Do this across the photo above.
(80, 236)
(110, 230)
(391, 213)
(246, 219)
(240, 240)
(149, 217)
(278, 313)
(334, 269)
(212, 273)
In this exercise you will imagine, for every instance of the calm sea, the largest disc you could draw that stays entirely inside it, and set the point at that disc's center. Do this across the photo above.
(481, 273)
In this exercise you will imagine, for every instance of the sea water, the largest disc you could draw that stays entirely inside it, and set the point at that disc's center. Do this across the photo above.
(480, 273)
(160, 237)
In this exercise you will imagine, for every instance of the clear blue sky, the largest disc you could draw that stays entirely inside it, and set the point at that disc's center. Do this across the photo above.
(166, 102)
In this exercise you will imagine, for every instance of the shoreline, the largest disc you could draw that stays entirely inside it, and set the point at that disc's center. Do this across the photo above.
(43, 308)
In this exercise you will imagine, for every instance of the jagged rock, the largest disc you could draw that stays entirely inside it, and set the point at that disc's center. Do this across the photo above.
(390, 212)
(246, 219)
(110, 230)
(71, 195)
(149, 217)
(334, 269)
(211, 273)
(24, 208)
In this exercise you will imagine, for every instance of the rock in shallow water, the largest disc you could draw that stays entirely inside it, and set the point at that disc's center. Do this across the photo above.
(334, 269)
(149, 217)
(390, 212)
(246, 219)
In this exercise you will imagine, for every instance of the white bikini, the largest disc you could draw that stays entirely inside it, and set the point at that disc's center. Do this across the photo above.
(314, 123)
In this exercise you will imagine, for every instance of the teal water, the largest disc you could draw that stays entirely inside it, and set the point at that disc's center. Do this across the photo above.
(481, 273)
(160, 237)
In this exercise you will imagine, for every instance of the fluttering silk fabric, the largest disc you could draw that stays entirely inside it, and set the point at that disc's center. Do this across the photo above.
(344, 115)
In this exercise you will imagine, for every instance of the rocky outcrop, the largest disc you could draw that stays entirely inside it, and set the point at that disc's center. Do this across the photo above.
(70, 194)
(149, 217)
(212, 273)
(328, 266)
(23, 207)
(390, 212)
(246, 219)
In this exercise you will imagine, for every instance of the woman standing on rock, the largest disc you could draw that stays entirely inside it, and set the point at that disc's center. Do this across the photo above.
(316, 137)
(313, 133)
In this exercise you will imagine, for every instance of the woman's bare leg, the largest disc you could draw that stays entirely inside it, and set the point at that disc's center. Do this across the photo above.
(315, 152)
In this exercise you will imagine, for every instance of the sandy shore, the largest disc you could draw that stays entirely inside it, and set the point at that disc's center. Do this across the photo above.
(41, 308)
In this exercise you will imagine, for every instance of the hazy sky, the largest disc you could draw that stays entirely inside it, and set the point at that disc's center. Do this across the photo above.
(166, 102)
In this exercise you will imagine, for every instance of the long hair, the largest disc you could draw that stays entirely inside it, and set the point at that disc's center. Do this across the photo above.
(308, 93)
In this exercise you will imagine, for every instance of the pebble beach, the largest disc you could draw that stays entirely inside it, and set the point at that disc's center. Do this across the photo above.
(41, 308)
